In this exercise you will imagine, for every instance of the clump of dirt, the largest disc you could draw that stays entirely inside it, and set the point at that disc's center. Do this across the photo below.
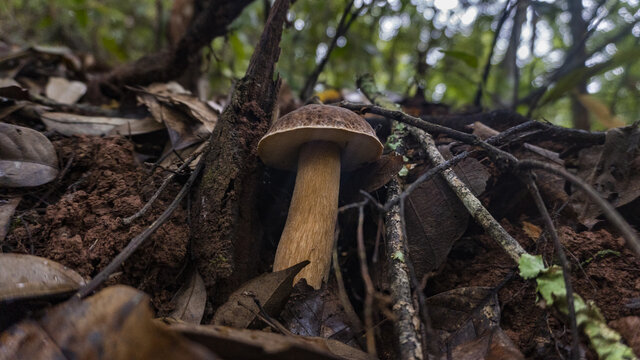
(83, 230)
(603, 270)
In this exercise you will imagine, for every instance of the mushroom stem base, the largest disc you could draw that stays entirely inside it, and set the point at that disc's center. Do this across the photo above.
(309, 231)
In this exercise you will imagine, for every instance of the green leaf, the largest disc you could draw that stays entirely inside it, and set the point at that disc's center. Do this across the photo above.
(398, 255)
(551, 285)
(530, 266)
(569, 81)
(606, 342)
(469, 59)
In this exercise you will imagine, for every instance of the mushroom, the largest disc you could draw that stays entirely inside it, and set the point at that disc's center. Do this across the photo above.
(318, 141)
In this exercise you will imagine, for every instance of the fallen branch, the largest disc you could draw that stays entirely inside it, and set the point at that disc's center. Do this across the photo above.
(397, 257)
(566, 274)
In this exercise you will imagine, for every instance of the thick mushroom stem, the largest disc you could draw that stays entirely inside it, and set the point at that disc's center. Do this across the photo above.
(308, 233)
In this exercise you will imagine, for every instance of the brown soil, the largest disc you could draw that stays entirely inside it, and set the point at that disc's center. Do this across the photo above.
(82, 230)
(609, 279)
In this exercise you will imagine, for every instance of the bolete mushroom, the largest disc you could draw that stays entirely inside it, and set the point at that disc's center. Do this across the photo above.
(318, 141)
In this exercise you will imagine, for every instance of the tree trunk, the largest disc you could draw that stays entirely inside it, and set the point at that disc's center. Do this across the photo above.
(578, 31)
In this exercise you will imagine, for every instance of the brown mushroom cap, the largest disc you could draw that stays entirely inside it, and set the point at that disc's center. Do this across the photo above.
(359, 144)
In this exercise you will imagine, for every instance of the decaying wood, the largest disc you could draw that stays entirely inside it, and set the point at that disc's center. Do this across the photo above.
(226, 229)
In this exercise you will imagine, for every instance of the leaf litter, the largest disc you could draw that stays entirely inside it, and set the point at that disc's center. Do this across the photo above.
(76, 223)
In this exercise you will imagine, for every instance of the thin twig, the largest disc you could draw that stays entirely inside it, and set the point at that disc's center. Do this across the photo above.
(507, 161)
(535, 193)
(135, 243)
(355, 322)
(165, 183)
(369, 288)
(608, 210)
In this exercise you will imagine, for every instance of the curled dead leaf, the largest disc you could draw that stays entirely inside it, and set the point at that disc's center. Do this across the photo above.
(271, 290)
(27, 158)
(190, 300)
(231, 343)
(28, 277)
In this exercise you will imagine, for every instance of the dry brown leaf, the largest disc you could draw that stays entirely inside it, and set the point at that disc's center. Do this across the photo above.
(271, 290)
(372, 176)
(240, 344)
(28, 340)
(188, 120)
(613, 169)
(72, 124)
(137, 127)
(463, 314)
(190, 300)
(318, 313)
(436, 218)
(7, 208)
(531, 230)
(27, 158)
(27, 277)
(65, 91)
(114, 324)
(493, 345)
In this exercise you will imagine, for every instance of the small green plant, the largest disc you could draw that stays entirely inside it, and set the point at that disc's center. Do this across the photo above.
(605, 341)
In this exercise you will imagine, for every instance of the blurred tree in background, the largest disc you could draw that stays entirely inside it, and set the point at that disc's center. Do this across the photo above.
(571, 62)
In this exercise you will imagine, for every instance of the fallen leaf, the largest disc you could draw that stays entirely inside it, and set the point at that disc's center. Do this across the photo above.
(27, 277)
(318, 313)
(27, 158)
(65, 91)
(190, 300)
(493, 345)
(372, 176)
(463, 314)
(531, 230)
(72, 124)
(271, 290)
(137, 127)
(231, 343)
(28, 340)
(188, 120)
(436, 218)
(7, 208)
(115, 324)
(613, 169)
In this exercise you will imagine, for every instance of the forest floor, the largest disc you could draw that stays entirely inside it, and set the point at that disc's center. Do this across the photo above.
(105, 174)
